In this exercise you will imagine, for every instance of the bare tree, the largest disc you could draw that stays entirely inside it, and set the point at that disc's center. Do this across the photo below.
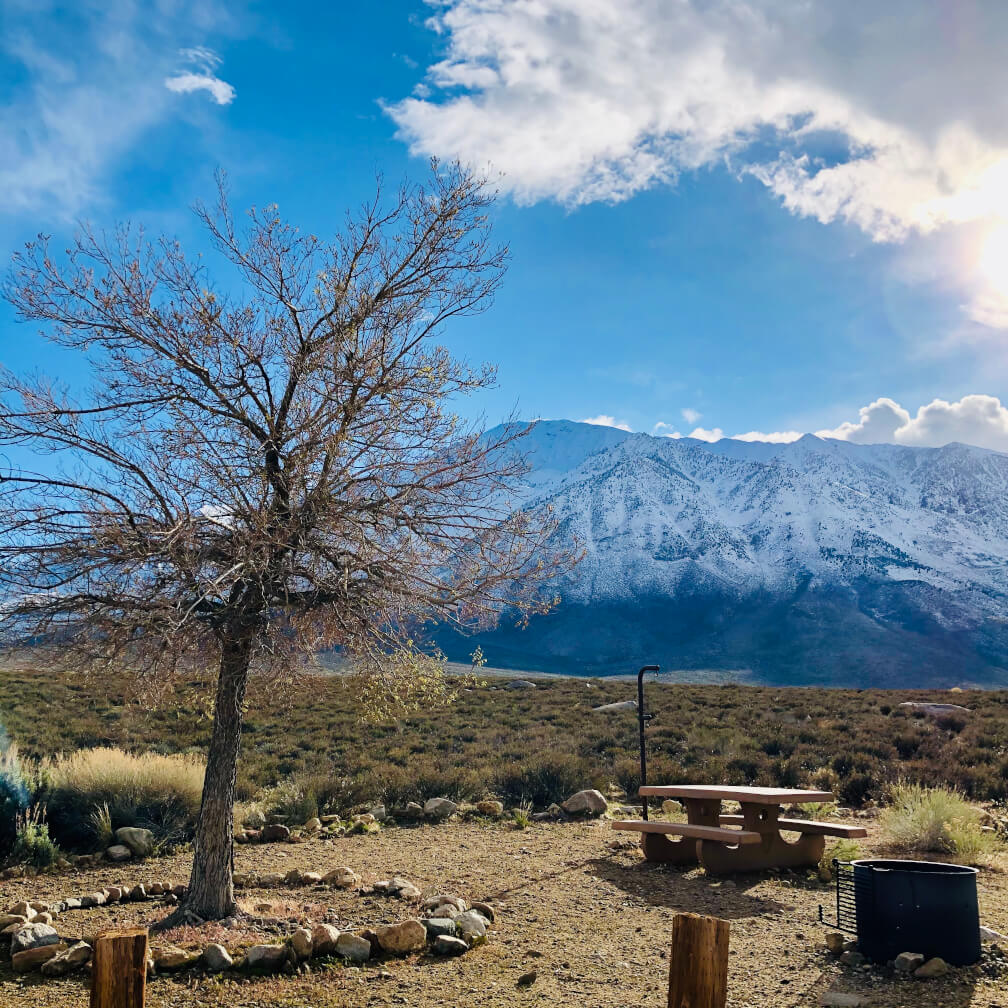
(265, 470)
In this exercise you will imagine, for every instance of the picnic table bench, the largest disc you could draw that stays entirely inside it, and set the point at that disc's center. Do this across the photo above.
(716, 841)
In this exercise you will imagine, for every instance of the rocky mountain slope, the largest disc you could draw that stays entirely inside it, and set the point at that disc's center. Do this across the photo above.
(817, 561)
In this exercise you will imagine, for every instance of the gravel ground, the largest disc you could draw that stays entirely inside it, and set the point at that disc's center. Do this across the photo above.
(590, 921)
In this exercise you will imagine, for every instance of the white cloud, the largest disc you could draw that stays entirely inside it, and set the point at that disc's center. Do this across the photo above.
(776, 437)
(690, 415)
(975, 419)
(607, 421)
(202, 78)
(85, 89)
(701, 434)
(891, 117)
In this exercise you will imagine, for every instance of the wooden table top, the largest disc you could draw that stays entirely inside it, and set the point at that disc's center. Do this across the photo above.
(753, 795)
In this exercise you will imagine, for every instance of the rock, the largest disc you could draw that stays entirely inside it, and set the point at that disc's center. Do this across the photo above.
(33, 958)
(404, 889)
(445, 912)
(171, 957)
(342, 878)
(379, 813)
(455, 902)
(266, 957)
(310, 878)
(990, 935)
(66, 962)
(31, 936)
(11, 918)
(301, 942)
(139, 841)
(324, 939)
(413, 810)
(156, 889)
(137, 893)
(841, 999)
(353, 948)
(439, 808)
(521, 684)
(73, 903)
(493, 809)
(274, 833)
(312, 826)
(485, 910)
(93, 900)
(271, 881)
(114, 893)
(446, 945)
(907, 962)
(589, 802)
(614, 708)
(835, 942)
(365, 819)
(216, 958)
(527, 979)
(21, 909)
(41, 918)
(118, 852)
(438, 927)
(409, 936)
(935, 967)
(472, 927)
(852, 958)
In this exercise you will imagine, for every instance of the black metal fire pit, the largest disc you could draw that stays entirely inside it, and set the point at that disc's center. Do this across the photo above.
(910, 906)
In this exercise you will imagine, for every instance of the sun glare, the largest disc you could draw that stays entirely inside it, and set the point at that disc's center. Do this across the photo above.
(993, 262)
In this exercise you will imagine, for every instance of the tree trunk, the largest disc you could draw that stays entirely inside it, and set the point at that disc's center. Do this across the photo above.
(211, 892)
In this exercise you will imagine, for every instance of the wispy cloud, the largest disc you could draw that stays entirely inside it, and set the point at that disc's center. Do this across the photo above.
(201, 77)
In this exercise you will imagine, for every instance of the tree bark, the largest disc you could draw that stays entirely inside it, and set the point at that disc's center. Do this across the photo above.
(210, 894)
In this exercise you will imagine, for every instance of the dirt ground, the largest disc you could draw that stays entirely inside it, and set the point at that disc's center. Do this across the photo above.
(592, 923)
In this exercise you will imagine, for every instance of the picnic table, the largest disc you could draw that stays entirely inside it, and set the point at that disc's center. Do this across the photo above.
(751, 841)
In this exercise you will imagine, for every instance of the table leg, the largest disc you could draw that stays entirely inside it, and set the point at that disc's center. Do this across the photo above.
(773, 851)
(659, 847)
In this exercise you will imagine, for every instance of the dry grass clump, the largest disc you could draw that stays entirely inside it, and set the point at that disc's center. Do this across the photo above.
(94, 791)
(935, 819)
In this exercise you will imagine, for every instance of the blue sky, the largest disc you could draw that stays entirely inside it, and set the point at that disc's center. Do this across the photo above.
(751, 218)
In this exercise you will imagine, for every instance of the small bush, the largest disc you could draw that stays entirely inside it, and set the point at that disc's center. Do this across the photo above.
(841, 850)
(543, 780)
(159, 793)
(934, 819)
(293, 800)
(13, 794)
(522, 815)
(32, 844)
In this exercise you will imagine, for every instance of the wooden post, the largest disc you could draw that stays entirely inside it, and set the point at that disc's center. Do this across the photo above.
(119, 969)
(698, 962)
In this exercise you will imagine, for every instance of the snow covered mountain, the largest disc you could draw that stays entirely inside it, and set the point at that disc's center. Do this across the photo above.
(817, 561)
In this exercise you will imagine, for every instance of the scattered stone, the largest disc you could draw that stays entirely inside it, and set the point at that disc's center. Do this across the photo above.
(310, 878)
(72, 903)
(438, 927)
(301, 942)
(93, 900)
(313, 825)
(118, 852)
(66, 962)
(439, 808)
(271, 881)
(493, 809)
(137, 893)
(527, 979)
(139, 841)
(156, 889)
(935, 967)
(353, 948)
(173, 958)
(31, 936)
(907, 962)
(216, 958)
(266, 957)
(33, 958)
(446, 945)
(324, 940)
(274, 833)
(12, 918)
(21, 909)
(41, 918)
(835, 942)
(342, 878)
(409, 936)
(485, 910)
(521, 684)
(114, 893)
(588, 802)
(472, 927)
(852, 958)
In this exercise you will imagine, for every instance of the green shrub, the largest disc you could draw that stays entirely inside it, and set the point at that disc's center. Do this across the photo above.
(841, 850)
(32, 844)
(13, 794)
(293, 800)
(935, 819)
(543, 780)
(522, 815)
(159, 793)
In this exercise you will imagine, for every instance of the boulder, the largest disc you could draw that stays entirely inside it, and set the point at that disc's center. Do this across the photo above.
(413, 810)
(8, 919)
(139, 841)
(379, 813)
(274, 833)
(137, 893)
(472, 927)
(31, 936)
(935, 967)
(171, 957)
(74, 957)
(521, 684)
(310, 878)
(341, 878)
(312, 826)
(907, 962)
(446, 945)
(21, 909)
(32, 958)
(93, 900)
(353, 948)
(438, 926)
(409, 936)
(493, 809)
(439, 808)
(118, 852)
(266, 957)
(216, 958)
(301, 943)
(324, 939)
(588, 802)
(115, 893)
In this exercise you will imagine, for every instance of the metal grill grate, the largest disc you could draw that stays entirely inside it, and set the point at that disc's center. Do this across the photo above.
(847, 884)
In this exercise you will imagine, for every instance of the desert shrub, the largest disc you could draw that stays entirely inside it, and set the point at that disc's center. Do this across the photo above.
(32, 843)
(545, 779)
(841, 850)
(522, 815)
(159, 793)
(855, 788)
(100, 821)
(13, 794)
(292, 800)
(923, 818)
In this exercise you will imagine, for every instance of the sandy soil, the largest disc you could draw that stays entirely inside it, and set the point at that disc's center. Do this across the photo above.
(592, 923)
